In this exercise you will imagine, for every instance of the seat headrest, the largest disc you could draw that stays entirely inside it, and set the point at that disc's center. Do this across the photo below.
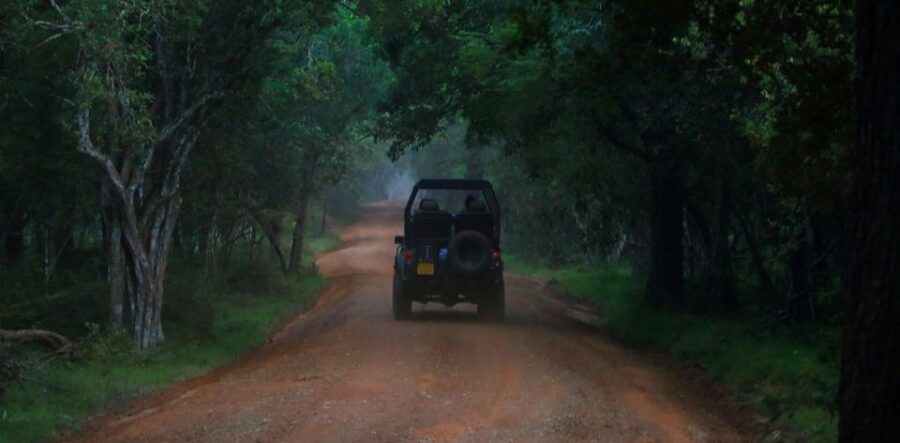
(476, 206)
(429, 204)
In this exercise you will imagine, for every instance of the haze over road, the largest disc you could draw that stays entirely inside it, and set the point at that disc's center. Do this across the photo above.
(346, 371)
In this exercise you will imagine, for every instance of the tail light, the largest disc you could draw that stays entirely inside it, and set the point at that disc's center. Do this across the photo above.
(409, 256)
(496, 257)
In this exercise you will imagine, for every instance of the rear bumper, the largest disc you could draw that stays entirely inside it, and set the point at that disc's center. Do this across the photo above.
(447, 286)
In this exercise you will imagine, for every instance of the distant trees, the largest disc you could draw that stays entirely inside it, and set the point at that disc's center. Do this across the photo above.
(671, 126)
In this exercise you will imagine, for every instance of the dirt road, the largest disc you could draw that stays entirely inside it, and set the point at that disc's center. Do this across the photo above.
(345, 371)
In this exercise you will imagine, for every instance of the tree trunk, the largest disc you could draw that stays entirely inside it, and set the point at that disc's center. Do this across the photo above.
(14, 241)
(209, 243)
(272, 230)
(322, 224)
(251, 249)
(773, 295)
(805, 274)
(145, 267)
(297, 240)
(720, 275)
(112, 241)
(665, 281)
(306, 191)
(869, 399)
(584, 229)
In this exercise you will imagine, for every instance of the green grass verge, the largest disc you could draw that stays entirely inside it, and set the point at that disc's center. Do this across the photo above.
(791, 377)
(209, 323)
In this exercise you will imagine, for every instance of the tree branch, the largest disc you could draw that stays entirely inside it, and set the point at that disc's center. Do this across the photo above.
(610, 135)
(86, 146)
(61, 344)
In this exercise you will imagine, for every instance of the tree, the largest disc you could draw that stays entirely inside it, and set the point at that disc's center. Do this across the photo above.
(146, 75)
(870, 374)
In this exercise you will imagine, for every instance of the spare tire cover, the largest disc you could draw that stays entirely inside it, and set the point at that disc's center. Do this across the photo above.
(469, 252)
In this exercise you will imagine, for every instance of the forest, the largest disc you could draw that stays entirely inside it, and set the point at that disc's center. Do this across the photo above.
(718, 176)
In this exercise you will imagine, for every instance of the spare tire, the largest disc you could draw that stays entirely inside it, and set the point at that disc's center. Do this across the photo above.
(470, 252)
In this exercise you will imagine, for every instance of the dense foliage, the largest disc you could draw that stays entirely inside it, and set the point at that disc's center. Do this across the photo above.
(154, 128)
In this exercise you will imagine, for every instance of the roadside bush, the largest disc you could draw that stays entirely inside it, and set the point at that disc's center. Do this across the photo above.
(257, 278)
(189, 309)
(63, 305)
(105, 346)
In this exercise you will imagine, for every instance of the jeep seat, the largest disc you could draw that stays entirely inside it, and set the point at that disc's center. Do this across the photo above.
(475, 218)
(430, 222)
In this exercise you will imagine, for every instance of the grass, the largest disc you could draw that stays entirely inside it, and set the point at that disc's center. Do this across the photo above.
(210, 323)
(789, 376)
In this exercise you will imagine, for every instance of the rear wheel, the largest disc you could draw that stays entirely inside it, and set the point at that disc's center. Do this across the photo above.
(493, 306)
(402, 302)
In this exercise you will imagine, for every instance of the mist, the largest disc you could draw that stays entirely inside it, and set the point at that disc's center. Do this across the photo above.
(399, 185)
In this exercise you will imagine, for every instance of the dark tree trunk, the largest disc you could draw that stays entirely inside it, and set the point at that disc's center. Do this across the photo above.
(112, 242)
(720, 275)
(208, 246)
(869, 399)
(274, 233)
(773, 295)
(14, 241)
(299, 227)
(272, 230)
(323, 222)
(665, 280)
(639, 257)
(712, 250)
(205, 245)
(806, 273)
(251, 249)
(306, 191)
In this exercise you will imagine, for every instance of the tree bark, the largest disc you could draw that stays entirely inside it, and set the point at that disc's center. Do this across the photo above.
(806, 274)
(299, 227)
(720, 274)
(271, 230)
(306, 191)
(665, 280)
(59, 343)
(14, 241)
(869, 398)
(112, 241)
(146, 268)
(323, 222)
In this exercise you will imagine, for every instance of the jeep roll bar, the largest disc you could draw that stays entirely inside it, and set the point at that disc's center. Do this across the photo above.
(455, 184)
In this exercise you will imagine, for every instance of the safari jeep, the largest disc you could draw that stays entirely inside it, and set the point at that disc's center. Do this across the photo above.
(450, 250)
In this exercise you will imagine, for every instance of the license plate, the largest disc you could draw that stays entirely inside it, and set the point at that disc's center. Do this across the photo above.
(425, 268)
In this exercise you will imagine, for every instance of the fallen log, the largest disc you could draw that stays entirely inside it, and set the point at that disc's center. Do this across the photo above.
(60, 344)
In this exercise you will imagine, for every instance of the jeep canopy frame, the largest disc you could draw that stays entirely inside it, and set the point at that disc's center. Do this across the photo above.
(455, 184)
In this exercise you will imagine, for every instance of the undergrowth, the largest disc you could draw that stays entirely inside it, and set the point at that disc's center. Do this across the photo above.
(789, 376)
(209, 320)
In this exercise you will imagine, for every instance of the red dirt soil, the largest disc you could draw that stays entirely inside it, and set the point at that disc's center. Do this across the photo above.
(346, 371)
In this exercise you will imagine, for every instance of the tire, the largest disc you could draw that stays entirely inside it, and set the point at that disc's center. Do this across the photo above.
(492, 308)
(402, 302)
(469, 252)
